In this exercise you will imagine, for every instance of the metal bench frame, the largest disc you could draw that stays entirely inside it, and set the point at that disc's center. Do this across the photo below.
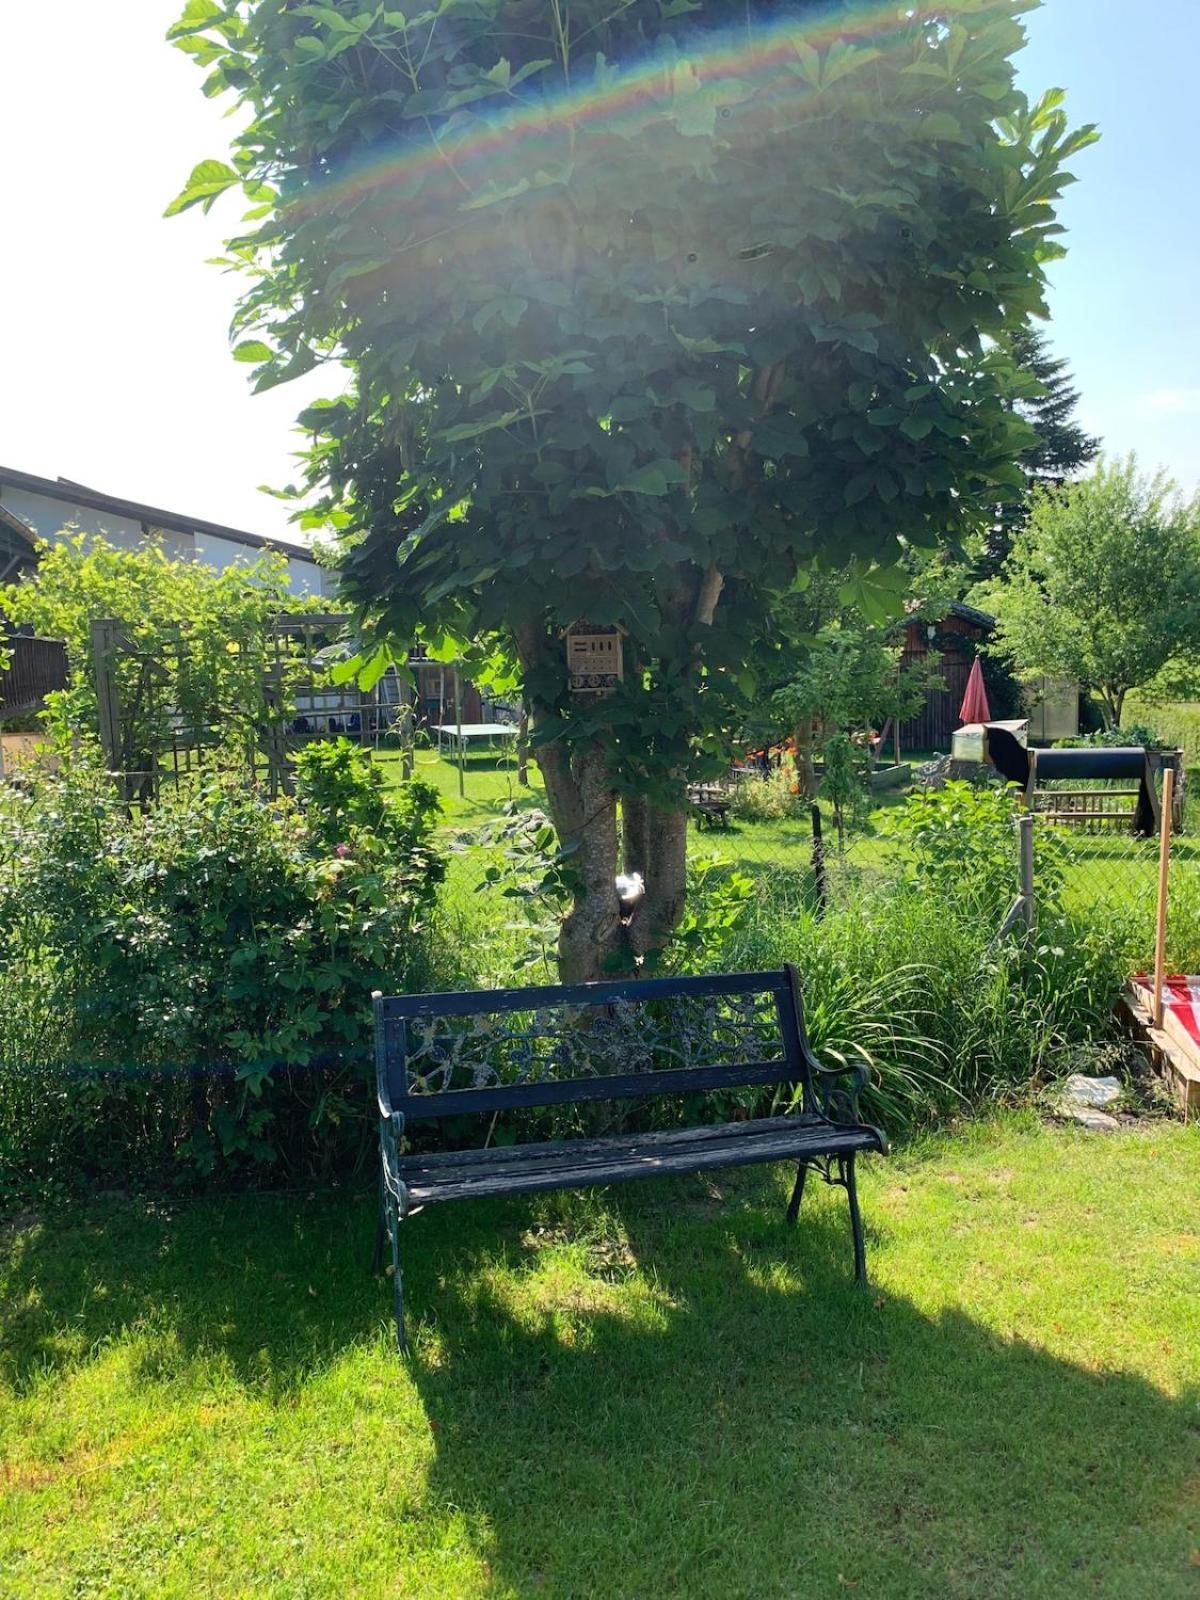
(728, 1018)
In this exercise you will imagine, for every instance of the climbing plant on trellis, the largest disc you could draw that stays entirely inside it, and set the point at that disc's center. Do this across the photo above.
(168, 714)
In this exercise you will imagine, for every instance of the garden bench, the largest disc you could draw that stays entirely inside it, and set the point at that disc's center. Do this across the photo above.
(503, 1050)
(711, 805)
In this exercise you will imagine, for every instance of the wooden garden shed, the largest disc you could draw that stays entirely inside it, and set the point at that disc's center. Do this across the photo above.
(956, 639)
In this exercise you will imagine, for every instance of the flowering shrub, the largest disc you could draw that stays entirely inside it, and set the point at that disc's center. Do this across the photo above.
(209, 964)
(768, 799)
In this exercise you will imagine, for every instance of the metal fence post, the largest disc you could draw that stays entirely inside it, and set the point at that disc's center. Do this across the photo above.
(818, 859)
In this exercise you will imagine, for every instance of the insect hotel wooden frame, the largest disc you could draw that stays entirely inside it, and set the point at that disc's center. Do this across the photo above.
(594, 657)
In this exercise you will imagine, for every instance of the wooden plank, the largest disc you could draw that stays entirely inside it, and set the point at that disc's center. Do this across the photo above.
(1085, 816)
(500, 1155)
(1160, 916)
(1175, 1051)
(653, 1163)
(1052, 792)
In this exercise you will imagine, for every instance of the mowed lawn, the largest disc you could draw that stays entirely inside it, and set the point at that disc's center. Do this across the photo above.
(647, 1392)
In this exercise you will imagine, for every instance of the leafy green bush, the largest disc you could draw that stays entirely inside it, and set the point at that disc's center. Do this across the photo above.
(960, 846)
(526, 867)
(768, 799)
(194, 982)
(1130, 733)
(1175, 722)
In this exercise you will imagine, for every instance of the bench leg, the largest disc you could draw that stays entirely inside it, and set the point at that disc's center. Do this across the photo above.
(393, 1223)
(793, 1210)
(381, 1231)
(856, 1227)
(389, 1226)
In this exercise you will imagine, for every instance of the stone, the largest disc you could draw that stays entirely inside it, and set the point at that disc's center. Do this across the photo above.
(1087, 1117)
(1080, 1090)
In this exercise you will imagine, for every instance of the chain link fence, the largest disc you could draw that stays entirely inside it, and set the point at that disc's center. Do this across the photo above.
(1088, 860)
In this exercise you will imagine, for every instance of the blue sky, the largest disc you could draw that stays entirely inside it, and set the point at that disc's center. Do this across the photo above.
(1124, 301)
(115, 368)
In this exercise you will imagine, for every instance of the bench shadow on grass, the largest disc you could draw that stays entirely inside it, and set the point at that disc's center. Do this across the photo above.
(704, 1404)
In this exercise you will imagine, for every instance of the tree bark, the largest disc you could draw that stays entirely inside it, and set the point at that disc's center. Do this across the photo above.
(635, 841)
(582, 800)
(591, 933)
(523, 747)
(805, 769)
(656, 918)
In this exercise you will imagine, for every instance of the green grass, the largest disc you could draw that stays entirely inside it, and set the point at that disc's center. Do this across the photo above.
(1110, 877)
(656, 1391)
(489, 780)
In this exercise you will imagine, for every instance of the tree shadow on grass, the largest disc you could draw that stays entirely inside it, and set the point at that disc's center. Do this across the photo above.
(663, 1391)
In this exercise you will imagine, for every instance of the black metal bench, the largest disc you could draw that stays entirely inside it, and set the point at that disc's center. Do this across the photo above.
(443, 1055)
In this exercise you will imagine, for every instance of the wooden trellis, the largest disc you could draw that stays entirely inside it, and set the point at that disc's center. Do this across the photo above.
(159, 723)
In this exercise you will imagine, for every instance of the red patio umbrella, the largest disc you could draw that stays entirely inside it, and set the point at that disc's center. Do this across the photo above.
(975, 703)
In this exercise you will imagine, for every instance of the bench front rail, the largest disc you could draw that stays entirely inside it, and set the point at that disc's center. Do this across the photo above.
(497, 1051)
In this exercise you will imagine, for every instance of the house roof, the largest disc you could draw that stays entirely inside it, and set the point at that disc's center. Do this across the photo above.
(982, 619)
(154, 516)
(14, 525)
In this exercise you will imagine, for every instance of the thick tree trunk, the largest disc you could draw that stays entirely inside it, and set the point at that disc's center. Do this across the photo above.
(582, 800)
(635, 840)
(656, 918)
(591, 934)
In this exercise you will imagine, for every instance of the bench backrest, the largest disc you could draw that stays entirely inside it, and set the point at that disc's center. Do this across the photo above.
(441, 1055)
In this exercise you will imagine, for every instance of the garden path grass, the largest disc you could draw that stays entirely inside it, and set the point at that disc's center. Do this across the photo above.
(649, 1392)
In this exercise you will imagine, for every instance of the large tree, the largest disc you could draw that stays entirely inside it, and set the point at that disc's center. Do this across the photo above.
(1058, 449)
(1103, 584)
(648, 306)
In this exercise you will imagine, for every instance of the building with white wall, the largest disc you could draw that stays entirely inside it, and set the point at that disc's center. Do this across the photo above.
(53, 508)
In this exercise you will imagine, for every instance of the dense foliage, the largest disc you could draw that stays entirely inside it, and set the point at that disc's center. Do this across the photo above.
(849, 679)
(647, 309)
(204, 633)
(192, 985)
(1103, 584)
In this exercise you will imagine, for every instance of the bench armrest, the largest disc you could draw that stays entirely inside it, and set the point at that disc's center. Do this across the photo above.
(836, 1090)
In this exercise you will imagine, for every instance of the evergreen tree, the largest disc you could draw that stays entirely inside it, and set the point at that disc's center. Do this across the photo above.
(1061, 448)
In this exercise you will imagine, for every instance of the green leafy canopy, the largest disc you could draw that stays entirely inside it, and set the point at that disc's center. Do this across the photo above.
(1103, 583)
(628, 297)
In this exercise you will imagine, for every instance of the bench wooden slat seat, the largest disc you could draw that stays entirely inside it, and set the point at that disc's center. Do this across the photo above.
(450, 1055)
(583, 1163)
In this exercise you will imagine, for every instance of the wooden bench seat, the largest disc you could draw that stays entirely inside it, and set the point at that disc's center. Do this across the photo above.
(580, 1163)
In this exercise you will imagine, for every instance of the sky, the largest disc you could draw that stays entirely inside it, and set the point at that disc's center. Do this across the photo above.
(114, 363)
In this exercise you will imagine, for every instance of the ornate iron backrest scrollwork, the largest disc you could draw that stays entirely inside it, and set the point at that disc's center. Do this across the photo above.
(443, 1053)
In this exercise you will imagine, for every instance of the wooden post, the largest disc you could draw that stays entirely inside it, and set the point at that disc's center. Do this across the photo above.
(896, 737)
(108, 705)
(408, 724)
(1164, 864)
